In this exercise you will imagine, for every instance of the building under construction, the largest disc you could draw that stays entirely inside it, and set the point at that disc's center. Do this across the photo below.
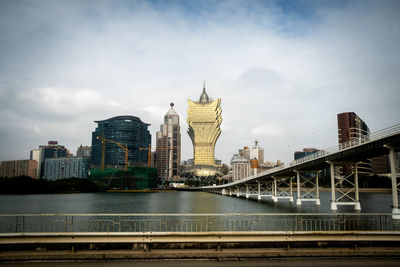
(134, 178)
(116, 142)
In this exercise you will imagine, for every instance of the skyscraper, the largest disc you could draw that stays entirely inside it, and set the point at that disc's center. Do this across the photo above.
(129, 131)
(168, 146)
(204, 121)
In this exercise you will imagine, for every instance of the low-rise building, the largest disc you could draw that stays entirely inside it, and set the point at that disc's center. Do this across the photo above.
(60, 168)
(14, 168)
(240, 167)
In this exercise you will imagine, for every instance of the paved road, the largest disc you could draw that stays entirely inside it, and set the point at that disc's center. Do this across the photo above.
(228, 263)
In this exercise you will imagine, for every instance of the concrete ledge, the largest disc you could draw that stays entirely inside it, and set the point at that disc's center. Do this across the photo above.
(198, 254)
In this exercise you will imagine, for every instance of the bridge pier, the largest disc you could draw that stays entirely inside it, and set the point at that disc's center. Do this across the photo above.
(395, 184)
(237, 191)
(258, 190)
(247, 191)
(282, 188)
(346, 196)
(307, 187)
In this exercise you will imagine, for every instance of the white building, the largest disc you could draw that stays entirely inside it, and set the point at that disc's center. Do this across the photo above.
(168, 146)
(240, 167)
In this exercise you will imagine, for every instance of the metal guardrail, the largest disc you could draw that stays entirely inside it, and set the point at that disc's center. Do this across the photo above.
(234, 222)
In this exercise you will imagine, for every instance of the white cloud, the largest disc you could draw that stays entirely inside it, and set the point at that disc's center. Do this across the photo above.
(280, 78)
(267, 130)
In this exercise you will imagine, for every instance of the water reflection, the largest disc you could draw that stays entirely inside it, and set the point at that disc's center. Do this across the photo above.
(174, 202)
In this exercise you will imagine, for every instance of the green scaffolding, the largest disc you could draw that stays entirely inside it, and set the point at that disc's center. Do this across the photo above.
(135, 178)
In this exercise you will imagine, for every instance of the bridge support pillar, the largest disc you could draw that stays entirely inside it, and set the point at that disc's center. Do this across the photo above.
(308, 186)
(395, 184)
(237, 191)
(258, 190)
(224, 192)
(230, 191)
(298, 201)
(274, 194)
(247, 191)
(346, 187)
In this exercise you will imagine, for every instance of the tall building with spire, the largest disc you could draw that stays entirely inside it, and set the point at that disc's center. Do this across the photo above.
(204, 121)
(168, 146)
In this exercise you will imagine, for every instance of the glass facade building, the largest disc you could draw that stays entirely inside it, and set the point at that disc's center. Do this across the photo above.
(129, 131)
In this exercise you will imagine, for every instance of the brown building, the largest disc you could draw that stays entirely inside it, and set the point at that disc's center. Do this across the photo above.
(352, 130)
(14, 168)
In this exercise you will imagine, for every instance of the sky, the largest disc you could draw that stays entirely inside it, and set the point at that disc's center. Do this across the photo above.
(283, 69)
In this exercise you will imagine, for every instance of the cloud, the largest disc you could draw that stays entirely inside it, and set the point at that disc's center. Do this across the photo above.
(283, 69)
(267, 130)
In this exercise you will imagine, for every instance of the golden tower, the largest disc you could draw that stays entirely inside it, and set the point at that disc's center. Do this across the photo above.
(204, 120)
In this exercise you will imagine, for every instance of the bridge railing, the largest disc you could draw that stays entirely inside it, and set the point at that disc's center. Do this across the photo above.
(235, 222)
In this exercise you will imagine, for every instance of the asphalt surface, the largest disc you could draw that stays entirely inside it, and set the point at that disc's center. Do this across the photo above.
(203, 263)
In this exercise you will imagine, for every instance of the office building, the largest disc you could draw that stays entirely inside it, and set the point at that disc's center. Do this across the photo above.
(305, 152)
(60, 168)
(127, 131)
(51, 150)
(14, 168)
(168, 146)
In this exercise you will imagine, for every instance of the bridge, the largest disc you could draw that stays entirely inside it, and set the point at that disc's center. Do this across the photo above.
(278, 183)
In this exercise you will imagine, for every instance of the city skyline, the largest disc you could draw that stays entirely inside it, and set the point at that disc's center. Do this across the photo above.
(283, 69)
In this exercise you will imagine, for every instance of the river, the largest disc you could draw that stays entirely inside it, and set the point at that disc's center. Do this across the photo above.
(174, 202)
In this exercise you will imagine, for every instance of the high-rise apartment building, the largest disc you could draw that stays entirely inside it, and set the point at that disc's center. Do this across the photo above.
(204, 121)
(352, 129)
(130, 132)
(168, 146)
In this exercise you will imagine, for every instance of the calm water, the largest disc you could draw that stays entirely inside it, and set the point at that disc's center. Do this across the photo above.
(173, 202)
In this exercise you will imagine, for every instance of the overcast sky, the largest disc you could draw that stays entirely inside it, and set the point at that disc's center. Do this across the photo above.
(283, 69)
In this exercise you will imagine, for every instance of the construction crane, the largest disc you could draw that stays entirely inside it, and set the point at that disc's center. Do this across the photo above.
(103, 150)
(149, 152)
